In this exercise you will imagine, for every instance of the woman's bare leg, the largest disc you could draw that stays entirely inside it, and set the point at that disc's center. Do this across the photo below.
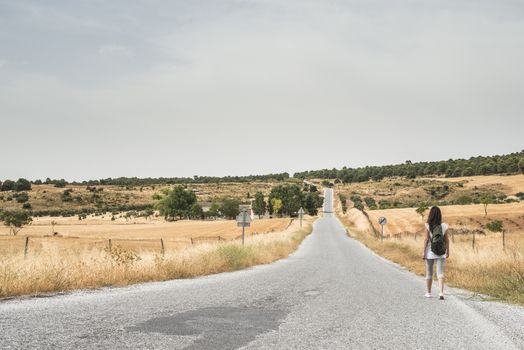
(441, 285)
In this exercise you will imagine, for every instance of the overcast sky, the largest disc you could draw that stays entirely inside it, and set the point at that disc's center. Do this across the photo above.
(95, 89)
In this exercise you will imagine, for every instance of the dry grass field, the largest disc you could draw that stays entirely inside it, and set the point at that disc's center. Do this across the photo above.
(65, 253)
(138, 234)
(508, 184)
(401, 192)
(48, 197)
(461, 218)
(58, 264)
(487, 268)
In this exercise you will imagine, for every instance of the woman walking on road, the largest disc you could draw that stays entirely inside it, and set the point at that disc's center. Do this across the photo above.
(436, 249)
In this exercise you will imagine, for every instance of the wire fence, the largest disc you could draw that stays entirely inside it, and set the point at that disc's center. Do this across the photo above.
(28, 245)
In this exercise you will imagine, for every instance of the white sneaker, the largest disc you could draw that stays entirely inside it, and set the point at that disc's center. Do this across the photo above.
(428, 295)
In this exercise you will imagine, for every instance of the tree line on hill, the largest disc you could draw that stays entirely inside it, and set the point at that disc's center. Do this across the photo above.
(500, 164)
(9, 185)
(17, 186)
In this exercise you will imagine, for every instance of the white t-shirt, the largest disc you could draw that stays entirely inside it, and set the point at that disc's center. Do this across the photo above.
(429, 254)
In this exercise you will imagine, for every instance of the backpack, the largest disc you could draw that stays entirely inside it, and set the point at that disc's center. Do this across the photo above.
(438, 245)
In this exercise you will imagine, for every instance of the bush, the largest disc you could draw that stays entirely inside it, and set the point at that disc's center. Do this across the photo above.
(370, 202)
(520, 195)
(66, 195)
(343, 201)
(21, 197)
(359, 206)
(495, 226)
(463, 200)
(384, 204)
(27, 206)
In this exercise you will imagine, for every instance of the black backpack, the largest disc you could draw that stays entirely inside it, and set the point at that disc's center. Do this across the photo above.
(438, 245)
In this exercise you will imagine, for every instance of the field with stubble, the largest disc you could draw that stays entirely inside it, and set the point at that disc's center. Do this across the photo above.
(82, 258)
(478, 261)
(136, 233)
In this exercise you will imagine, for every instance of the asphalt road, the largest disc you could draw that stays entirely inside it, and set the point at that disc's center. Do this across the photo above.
(333, 293)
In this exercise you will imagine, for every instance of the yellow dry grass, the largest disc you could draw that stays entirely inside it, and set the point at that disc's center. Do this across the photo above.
(407, 221)
(56, 270)
(511, 184)
(409, 192)
(487, 269)
(139, 233)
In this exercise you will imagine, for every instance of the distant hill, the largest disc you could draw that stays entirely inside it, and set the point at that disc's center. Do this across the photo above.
(512, 163)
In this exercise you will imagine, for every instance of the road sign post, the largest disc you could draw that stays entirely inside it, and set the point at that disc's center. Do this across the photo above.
(301, 214)
(243, 226)
(382, 221)
(243, 220)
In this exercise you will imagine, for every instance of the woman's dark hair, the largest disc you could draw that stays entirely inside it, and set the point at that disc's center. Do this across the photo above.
(434, 218)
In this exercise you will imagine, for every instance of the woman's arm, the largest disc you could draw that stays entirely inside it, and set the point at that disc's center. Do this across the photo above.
(426, 241)
(446, 239)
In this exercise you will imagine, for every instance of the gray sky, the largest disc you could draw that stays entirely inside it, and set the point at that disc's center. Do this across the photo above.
(93, 89)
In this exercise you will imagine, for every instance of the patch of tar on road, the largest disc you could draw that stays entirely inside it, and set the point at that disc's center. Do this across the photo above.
(216, 327)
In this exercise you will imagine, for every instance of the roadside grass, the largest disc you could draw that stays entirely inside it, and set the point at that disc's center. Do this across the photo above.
(488, 269)
(84, 268)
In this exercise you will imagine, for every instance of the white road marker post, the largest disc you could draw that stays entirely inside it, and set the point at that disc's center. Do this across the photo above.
(301, 214)
(243, 222)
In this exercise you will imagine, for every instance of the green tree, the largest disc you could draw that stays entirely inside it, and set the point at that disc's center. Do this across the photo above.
(312, 202)
(174, 203)
(291, 197)
(421, 210)
(521, 165)
(486, 200)
(196, 211)
(259, 204)
(468, 171)
(22, 185)
(214, 211)
(15, 220)
(230, 208)
(8, 185)
(457, 172)
(276, 204)
(60, 183)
